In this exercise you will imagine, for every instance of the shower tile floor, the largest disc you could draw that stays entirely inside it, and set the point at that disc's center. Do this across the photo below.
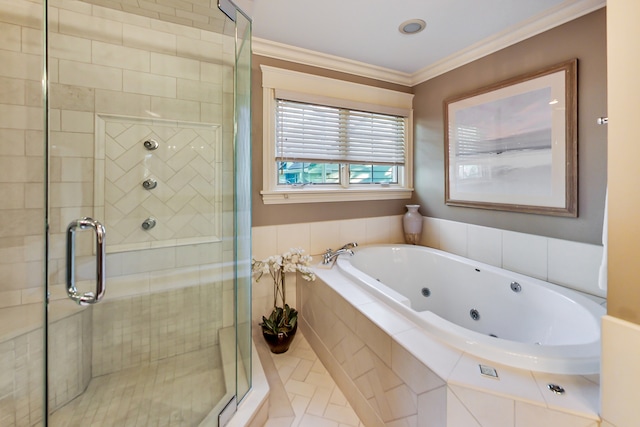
(177, 391)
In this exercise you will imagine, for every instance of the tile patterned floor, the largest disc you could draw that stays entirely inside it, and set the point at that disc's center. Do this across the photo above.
(314, 396)
(177, 391)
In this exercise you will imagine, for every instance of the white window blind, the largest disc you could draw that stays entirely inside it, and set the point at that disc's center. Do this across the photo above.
(318, 133)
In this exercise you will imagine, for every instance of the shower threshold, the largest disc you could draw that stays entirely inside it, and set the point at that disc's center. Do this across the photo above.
(176, 391)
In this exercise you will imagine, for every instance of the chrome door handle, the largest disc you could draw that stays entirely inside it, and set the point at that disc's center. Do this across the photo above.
(86, 298)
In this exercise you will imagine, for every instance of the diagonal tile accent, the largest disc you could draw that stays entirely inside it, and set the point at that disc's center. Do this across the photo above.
(187, 168)
(312, 394)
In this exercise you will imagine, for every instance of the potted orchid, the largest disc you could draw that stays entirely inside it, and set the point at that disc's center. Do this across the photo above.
(279, 328)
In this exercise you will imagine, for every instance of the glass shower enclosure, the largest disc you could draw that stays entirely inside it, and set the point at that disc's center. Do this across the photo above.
(125, 203)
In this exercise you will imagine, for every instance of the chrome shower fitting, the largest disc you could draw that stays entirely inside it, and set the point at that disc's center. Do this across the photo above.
(149, 223)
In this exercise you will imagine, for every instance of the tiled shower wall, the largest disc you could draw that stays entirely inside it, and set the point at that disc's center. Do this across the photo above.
(102, 61)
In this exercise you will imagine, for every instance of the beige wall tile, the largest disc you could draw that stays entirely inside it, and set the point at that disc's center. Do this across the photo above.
(71, 144)
(35, 169)
(211, 113)
(21, 13)
(324, 235)
(12, 142)
(12, 195)
(120, 16)
(53, 71)
(197, 49)
(430, 232)
(148, 5)
(20, 65)
(120, 56)
(34, 142)
(140, 11)
(175, 109)
(62, 46)
(76, 169)
(34, 94)
(195, 17)
(173, 279)
(32, 295)
(13, 169)
(111, 102)
(33, 248)
(217, 38)
(10, 36)
(378, 230)
(169, 65)
(186, 23)
(34, 196)
(292, 236)
(90, 27)
(211, 73)
(89, 75)
(149, 84)
(199, 91)
(19, 222)
(10, 298)
(173, 27)
(70, 97)
(68, 194)
(142, 38)
(264, 241)
(76, 121)
(12, 91)
(73, 5)
(32, 41)
(20, 117)
(149, 260)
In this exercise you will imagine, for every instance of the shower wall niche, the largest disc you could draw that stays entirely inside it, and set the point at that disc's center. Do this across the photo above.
(158, 182)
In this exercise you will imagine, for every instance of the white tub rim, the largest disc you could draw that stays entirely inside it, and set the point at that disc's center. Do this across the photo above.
(572, 359)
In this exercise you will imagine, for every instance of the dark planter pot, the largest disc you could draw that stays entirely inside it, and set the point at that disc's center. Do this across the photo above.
(281, 342)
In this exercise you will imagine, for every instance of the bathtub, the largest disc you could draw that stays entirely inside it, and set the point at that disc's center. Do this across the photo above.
(483, 310)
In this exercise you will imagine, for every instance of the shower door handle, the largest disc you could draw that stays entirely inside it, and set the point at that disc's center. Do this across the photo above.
(86, 298)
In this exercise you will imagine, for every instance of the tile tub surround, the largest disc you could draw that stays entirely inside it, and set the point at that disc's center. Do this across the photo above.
(571, 264)
(396, 374)
(565, 263)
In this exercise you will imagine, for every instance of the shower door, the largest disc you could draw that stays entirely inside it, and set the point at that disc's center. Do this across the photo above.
(141, 258)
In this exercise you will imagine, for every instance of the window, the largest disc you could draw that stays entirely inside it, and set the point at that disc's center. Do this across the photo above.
(328, 148)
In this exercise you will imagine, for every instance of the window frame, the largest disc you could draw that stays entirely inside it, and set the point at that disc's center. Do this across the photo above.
(327, 91)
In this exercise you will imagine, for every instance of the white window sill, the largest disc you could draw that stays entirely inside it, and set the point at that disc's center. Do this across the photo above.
(306, 195)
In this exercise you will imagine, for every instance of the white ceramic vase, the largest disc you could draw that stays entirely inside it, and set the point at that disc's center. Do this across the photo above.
(412, 224)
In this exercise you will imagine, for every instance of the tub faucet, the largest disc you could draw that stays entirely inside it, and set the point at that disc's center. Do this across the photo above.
(349, 246)
(330, 255)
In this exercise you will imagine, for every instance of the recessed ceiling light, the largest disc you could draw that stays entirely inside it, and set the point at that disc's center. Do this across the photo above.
(412, 26)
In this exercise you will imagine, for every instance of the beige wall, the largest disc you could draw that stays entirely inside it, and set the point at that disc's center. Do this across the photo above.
(306, 212)
(624, 172)
(583, 38)
(621, 328)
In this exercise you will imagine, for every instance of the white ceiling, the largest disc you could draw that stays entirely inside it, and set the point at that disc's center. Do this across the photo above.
(365, 32)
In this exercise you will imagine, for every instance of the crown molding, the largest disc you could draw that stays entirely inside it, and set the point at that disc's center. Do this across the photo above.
(299, 55)
(536, 25)
(554, 17)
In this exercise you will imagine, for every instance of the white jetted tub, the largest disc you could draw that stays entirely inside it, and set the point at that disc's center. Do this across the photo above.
(483, 310)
